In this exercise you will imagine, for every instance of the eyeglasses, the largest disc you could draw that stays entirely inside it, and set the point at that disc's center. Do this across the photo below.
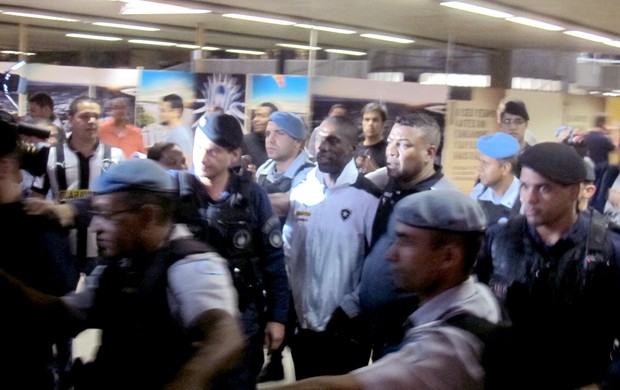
(107, 215)
(517, 121)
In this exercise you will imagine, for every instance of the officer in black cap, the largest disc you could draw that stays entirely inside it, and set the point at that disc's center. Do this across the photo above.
(556, 271)
(164, 301)
(235, 216)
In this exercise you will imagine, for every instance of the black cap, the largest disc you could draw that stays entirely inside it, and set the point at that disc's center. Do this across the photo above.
(556, 161)
(222, 129)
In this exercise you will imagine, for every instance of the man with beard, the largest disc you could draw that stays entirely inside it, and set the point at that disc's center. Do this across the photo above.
(327, 231)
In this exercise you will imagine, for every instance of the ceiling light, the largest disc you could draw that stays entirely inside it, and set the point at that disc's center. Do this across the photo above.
(187, 46)
(240, 51)
(17, 52)
(152, 8)
(301, 47)
(387, 38)
(209, 48)
(587, 36)
(259, 19)
(613, 43)
(125, 26)
(535, 23)
(148, 42)
(476, 9)
(39, 16)
(324, 28)
(95, 37)
(346, 52)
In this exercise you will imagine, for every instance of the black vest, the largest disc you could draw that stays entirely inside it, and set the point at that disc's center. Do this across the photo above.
(560, 300)
(142, 344)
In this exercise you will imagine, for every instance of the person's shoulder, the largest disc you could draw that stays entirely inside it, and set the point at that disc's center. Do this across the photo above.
(365, 184)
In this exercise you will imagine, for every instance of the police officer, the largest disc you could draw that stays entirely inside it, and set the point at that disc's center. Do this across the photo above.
(556, 270)
(164, 301)
(236, 217)
(498, 190)
(287, 165)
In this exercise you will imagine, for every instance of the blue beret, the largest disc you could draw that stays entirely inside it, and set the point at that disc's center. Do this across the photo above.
(498, 145)
(222, 129)
(442, 210)
(290, 123)
(135, 174)
(556, 161)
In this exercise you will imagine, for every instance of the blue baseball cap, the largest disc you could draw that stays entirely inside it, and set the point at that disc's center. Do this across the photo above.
(441, 210)
(498, 145)
(290, 123)
(222, 129)
(136, 174)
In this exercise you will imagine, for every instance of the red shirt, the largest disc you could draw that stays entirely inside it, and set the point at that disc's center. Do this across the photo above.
(131, 142)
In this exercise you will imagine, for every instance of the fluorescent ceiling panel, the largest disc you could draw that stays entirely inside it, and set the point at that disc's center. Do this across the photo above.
(140, 7)
(325, 28)
(241, 51)
(387, 38)
(125, 26)
(94, 37)
(149, 42)
(535, 23)
(476, 9)
(300, 47)
(259, 19)
(346, 52)
(39, 16)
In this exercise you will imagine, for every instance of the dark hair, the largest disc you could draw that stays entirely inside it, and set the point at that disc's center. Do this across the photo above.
(157, 151)
(471, 242)
(512, 160)
(272, 106)
(600, 120)
(428, 126)
(78, 100)
(337, 106)
(42, 99)
(167, 202)
(176, 102)
(515, 107)
(346, 127)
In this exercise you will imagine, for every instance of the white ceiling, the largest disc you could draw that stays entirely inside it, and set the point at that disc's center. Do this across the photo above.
(425, 21)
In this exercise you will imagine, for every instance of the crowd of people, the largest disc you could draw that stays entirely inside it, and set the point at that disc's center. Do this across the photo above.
(200, 255)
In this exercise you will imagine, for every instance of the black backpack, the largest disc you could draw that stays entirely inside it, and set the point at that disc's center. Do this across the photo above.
(501, 359)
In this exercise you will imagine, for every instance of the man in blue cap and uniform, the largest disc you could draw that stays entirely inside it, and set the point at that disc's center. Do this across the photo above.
(498, 190)
(437, 236)
(164, 301)
(235, 216)
(288, 164)
(556, 270)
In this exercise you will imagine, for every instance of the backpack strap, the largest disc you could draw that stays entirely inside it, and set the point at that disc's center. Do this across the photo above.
(61, 175)
(502, 359)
